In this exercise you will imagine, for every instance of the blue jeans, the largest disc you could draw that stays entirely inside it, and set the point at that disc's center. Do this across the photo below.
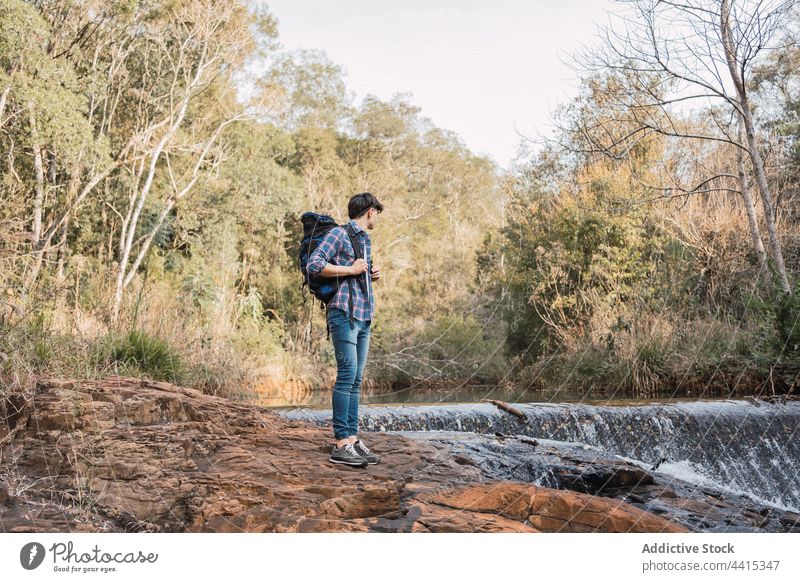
(351, 347)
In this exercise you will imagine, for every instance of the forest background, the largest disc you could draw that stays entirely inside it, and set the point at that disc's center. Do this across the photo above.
(155, 157)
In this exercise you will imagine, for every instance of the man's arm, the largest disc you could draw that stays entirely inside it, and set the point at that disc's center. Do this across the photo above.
(319, 261)
(331, 270)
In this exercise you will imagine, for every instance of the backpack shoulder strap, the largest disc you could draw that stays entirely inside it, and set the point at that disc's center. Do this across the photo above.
(362, 281)
(352, 234)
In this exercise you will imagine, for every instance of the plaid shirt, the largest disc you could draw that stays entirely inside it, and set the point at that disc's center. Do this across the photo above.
(336, 249)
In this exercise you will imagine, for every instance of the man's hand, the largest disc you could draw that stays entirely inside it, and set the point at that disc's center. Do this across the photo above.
(359, 266)
(376, 274)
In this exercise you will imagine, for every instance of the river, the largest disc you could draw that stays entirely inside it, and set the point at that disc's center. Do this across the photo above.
(742, 446)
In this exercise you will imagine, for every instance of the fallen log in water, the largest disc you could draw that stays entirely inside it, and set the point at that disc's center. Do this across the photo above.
(510, 409)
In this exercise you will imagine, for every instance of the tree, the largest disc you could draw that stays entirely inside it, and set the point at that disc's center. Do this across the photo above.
(186, 59)
(44, 111)
(312, 89)
(670, 55)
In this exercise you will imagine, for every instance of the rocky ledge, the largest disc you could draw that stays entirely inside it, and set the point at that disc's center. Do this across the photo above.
(123, 454)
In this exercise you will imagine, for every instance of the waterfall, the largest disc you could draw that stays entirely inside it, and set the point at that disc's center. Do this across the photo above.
(737, 445)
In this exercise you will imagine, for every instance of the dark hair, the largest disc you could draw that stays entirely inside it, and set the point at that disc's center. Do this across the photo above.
(360, 203)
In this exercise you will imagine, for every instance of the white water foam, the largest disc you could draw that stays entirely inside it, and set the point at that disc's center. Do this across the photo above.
(684, 470)
(695, 474)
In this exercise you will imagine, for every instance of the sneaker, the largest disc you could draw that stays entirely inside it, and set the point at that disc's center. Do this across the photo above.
(347, 455)
(362, 450)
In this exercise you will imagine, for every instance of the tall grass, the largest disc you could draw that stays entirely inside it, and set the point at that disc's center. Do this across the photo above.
(140, 353)
(660, 357)
(161, 336)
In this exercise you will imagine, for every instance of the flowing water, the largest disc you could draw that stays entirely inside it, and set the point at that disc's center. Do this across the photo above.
(286, 395)
(742, 446)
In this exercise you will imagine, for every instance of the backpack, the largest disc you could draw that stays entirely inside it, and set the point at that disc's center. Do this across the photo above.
(315, 227)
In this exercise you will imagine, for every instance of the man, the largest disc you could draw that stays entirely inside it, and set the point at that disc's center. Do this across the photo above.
(349, 323)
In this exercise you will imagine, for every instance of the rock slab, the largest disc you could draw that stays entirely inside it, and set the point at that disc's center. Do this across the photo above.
(123, 454)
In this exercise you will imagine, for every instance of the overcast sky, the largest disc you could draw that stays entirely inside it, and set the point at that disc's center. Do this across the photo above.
(479, 68)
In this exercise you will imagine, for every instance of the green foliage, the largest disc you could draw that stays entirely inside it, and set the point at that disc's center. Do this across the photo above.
(566, 259)
(776, 347)
(460, 346)
(654, 357)
(313, 89)
(787, 325)
(557, 263)
(145, 353)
